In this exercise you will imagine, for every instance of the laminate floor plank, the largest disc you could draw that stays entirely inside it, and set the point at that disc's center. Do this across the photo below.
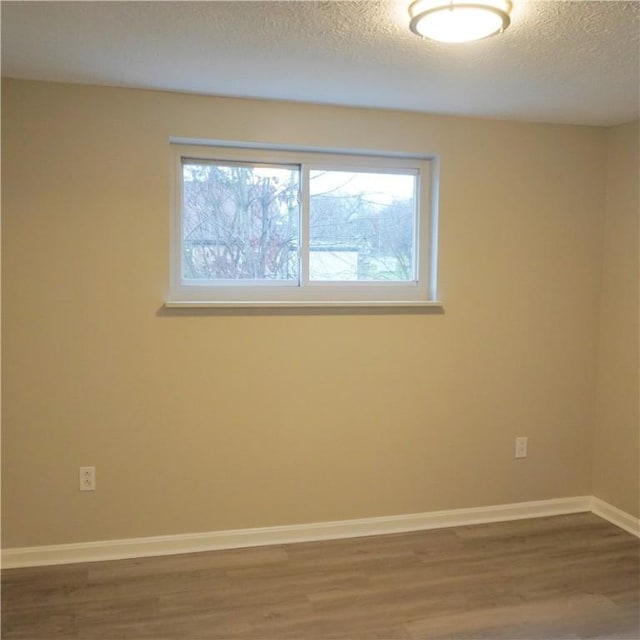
(574, 617)
(565, 577)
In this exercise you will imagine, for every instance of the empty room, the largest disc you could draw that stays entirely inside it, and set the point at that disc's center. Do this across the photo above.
(320, 320)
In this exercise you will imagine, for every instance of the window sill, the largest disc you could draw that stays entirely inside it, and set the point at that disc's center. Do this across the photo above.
(183, 304)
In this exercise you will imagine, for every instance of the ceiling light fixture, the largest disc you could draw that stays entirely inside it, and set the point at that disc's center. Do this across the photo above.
(457, 20)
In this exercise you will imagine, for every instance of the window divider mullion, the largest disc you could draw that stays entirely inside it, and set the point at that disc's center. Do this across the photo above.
(305, 217)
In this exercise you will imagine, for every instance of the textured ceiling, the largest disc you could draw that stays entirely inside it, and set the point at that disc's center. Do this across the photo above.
(567, 62)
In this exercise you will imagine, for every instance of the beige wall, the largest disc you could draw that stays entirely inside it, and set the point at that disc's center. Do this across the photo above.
(617, 437)
(200, 421)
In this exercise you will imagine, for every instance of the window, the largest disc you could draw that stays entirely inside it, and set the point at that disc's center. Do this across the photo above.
(265, 226)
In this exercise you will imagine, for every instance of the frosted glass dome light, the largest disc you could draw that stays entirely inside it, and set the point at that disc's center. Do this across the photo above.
(456, 21)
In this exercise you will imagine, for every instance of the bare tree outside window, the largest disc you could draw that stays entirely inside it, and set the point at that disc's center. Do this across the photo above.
(362, 226)
(240, 222)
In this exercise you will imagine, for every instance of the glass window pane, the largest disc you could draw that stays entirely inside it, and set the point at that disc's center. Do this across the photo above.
(240, 222)
(362, 226)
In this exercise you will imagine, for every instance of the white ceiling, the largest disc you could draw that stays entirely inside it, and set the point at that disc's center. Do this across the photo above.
(560, 61)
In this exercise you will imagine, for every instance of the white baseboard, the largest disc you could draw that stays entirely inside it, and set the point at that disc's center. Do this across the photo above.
(232, 539)
(616, 516)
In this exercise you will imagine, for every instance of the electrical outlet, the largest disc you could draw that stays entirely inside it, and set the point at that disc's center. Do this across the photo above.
(87, 478)
(521, 447)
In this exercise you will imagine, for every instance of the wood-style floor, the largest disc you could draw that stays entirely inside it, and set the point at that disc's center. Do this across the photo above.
(565, 577)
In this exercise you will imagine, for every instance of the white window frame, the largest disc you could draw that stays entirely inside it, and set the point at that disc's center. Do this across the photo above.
(421, 292)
